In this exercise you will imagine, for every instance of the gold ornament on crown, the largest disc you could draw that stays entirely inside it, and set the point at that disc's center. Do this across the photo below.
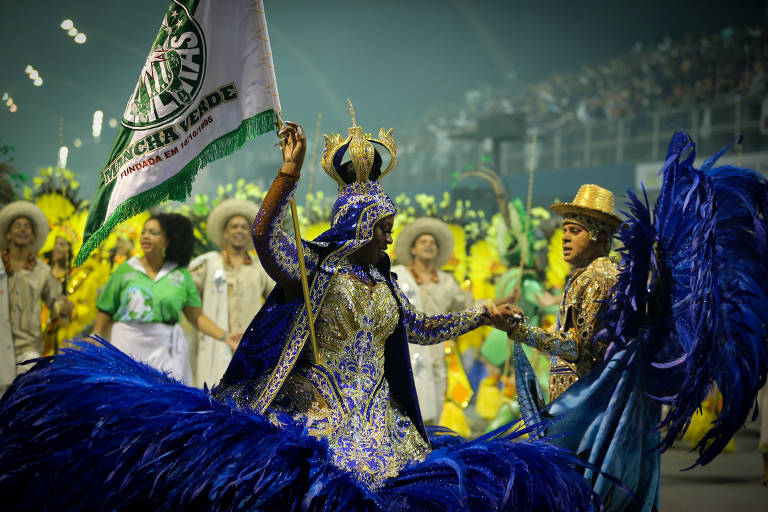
(361, 151)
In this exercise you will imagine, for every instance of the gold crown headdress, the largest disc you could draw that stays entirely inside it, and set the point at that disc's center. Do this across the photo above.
(361, 151)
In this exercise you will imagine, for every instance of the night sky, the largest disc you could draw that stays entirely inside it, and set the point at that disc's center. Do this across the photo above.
(395, 59)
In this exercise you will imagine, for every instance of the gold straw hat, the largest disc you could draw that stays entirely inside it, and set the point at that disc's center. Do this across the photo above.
(594, 202)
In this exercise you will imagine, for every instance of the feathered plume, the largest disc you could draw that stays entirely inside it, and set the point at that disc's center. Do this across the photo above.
(92, 429)
(702, 313)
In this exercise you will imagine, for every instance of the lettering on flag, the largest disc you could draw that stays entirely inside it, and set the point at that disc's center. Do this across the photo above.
(172, 73)
(206, 87)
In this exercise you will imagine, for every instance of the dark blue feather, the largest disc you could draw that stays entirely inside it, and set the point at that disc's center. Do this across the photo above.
(93, 429)
(704, 309)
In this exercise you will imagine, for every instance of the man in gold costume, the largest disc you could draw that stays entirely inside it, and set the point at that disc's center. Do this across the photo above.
(588, 224)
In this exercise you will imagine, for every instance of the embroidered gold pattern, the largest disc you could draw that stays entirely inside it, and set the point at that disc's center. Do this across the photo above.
(346, 400)
(573, 346)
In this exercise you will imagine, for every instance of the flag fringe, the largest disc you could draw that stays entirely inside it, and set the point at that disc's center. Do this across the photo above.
(179, 186)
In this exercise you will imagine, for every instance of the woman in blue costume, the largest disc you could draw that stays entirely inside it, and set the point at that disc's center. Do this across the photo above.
(287, 428)
(688, 311)
(357, 391)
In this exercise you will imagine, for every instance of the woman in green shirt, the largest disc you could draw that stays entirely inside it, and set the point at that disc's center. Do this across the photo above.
(140, 307)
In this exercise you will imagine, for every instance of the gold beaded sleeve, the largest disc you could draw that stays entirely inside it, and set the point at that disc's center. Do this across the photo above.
(560, 344)
(277, 249)
(423, 329)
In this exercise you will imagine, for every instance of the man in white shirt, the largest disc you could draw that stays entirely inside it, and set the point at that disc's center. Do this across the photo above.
(25, 280)
(422, 248)
(231, 282)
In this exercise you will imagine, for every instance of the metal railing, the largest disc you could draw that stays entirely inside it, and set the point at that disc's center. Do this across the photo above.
(639, 138)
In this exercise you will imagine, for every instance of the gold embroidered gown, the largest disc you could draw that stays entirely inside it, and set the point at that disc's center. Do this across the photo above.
(345, 396)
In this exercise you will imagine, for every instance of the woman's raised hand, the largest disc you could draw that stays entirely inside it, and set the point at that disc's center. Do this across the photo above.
(294, 146)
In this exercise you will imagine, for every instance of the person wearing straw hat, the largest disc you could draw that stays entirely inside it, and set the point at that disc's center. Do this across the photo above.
(232, 283)
(588, 225)
(24, 281)
(422, 248)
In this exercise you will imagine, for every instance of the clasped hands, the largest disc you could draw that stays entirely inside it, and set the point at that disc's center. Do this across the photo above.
(503, 316)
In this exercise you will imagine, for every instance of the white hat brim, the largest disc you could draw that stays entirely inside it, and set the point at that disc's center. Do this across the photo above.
(415, 229)
(31, 211)
(225, 210)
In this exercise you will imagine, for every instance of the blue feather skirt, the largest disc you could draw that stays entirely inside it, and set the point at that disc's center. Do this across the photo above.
(92, 429)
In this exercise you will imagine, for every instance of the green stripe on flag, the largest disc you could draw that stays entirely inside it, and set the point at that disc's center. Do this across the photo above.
(179, 186)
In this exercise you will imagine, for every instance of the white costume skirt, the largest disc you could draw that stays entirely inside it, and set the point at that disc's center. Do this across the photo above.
(161, 346)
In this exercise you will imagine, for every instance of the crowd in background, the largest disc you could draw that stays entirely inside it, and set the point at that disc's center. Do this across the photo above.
(680, 72)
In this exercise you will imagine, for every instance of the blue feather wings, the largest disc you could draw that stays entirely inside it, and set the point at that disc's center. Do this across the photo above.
(693, 286)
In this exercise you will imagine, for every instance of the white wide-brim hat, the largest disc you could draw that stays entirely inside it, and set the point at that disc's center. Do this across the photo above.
(31, 211)
(421, 226)
(225, 210)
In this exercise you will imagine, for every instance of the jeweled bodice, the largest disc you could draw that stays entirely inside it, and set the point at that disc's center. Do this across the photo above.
(345, 398)
(358, 315)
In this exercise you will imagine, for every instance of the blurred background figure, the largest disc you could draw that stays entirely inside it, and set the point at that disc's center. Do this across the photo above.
(232, 283)
(422, 248)
(26, 281)
(122, 250)
(140, 306)
(59, 258)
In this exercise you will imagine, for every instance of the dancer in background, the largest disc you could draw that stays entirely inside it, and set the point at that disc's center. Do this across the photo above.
(422, 248)
(140, 306)
(26, 280)
(231, 282)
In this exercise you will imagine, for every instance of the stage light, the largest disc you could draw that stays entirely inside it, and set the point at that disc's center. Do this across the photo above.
(72, 32)
(67, 24)
(80, 38)
(9, 102)
(98, 117)
(78, 143)
(112, 122)
(63, 153)
(34, 75)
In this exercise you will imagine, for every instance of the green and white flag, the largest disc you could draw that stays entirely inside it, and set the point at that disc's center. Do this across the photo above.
(207, 87)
